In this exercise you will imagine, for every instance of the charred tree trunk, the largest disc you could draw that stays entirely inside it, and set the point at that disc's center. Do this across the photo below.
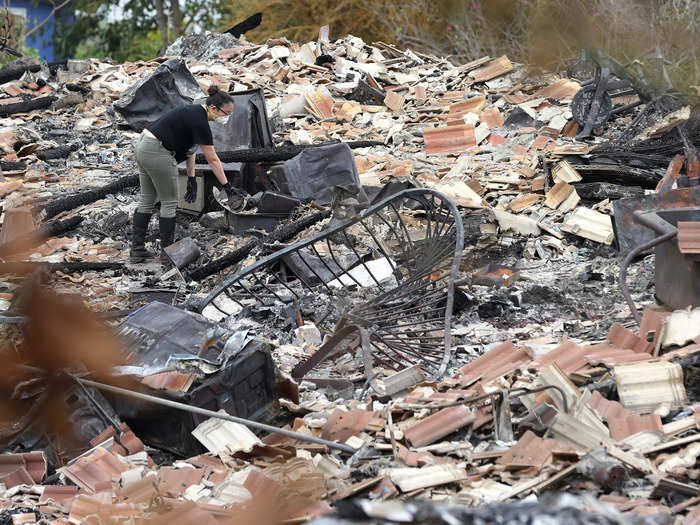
(177, 18)
(162, 21)
(24, 107)
(65, 267)
(15, 71)
(86, 197)
(60, 152)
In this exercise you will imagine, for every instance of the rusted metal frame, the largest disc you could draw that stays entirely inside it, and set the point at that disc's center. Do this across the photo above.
(390, 306)
(376, 210)
(416, 343)
(403, 227)
(361, 259)
(416, 310)
(407, 352)
(408, 287)
(386, 255)
(412, 289)
(622, 279)
(442, 221)
(257, 279)
(674, 169)
(276, 276)
(251, 290)
(400, 353)
(330, 251)
(341, 333)
(323, 282)
(323, 260)
(408, 332)
(404, 353)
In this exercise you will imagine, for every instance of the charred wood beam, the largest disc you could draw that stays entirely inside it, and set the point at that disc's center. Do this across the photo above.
(65, 267)
(24, 107)
(78, 88)
(15, 71)
(86, 197)
(615, 174)
(60, 152)
(277, 153)
(8, 165)
(597, 191)
(282, 233)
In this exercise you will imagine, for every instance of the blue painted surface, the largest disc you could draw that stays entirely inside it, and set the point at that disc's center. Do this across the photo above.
(41, 40)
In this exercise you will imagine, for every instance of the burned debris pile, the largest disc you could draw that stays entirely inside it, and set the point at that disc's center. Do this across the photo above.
(452, 293)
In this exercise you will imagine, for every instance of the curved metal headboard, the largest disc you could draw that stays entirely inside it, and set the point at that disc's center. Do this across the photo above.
(404, 252)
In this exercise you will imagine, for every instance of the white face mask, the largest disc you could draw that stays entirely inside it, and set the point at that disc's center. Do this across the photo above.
(222, 120)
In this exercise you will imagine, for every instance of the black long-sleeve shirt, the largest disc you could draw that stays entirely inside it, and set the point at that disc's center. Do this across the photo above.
(180, 129)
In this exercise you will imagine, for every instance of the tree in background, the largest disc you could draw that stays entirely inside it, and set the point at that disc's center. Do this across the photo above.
(132, 29)
(545, 33)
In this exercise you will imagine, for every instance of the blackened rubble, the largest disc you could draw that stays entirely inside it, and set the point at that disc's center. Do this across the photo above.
(422, 290)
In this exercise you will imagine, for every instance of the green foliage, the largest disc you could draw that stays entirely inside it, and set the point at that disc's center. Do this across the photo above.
(133, 36)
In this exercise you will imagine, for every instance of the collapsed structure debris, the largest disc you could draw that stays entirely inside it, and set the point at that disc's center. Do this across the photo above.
(416, 311)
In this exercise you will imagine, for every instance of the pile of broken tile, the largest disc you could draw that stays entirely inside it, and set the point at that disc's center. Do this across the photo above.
(567, 398)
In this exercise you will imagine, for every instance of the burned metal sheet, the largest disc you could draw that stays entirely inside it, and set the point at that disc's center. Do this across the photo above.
(629, 233)
(406, 254)
(233, 372)
(171, 85)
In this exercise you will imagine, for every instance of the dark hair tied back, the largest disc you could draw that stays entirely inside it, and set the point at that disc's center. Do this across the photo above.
(217, 97)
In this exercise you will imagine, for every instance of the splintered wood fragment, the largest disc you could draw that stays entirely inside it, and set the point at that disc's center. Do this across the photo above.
(565, 172)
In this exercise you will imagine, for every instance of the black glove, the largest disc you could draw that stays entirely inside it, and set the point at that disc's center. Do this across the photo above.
(191, 193)
(235, 197)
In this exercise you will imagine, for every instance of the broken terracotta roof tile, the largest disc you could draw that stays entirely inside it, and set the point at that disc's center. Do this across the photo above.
(449, 139)
(529, 451)
(689, 237)
(492, 117)
(623, 337)
(439, 425)
(495, 68)
(174, 381)
(34, 463)
(498, 361)
(622, 422)
(561, 89)
(342, 424)
(174, 481)
(568, 356)
(98, 470)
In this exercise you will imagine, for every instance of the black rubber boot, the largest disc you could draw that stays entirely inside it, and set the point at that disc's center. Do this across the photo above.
(138, 252)
(167, 237)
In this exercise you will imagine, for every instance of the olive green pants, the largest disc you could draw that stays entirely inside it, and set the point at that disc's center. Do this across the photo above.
(157, 177)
